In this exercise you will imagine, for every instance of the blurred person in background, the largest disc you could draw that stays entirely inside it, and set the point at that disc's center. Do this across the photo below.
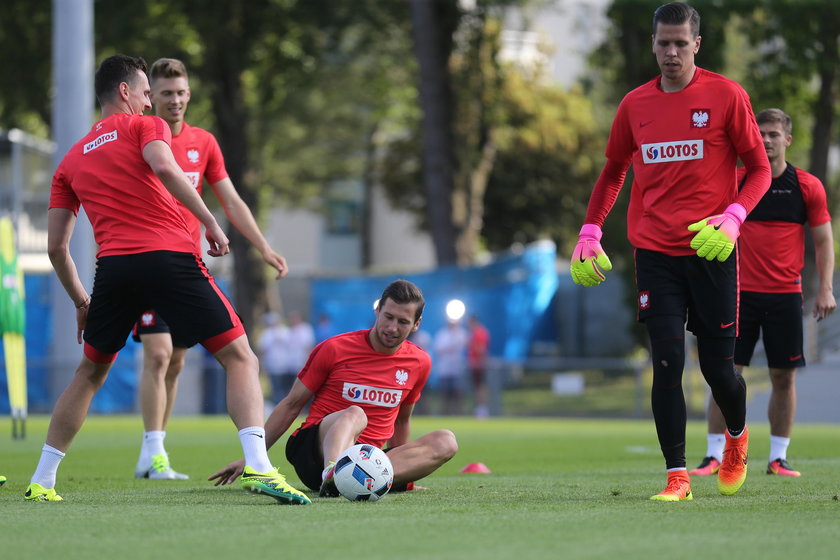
(274, 353)
(477, 356)
(450, 348)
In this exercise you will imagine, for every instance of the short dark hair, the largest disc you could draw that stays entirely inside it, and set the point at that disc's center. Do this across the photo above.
(402, 292)
(774, 115)
(113, 71)
(677, 13)
(167, 68)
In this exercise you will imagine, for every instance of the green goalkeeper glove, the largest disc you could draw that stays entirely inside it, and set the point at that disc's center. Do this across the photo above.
(717, 234)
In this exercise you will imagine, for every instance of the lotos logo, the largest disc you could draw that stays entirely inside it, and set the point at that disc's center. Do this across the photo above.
(99, 141)
(682, 150)
(356, 393)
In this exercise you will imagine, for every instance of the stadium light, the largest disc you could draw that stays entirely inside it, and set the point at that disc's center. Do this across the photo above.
(455, 309)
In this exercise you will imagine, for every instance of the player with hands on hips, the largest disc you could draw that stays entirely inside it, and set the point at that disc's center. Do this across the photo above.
(683, 132)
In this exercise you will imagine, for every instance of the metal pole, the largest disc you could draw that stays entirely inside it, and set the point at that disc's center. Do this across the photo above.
(73, 69)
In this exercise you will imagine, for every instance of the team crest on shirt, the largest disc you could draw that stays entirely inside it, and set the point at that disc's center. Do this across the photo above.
(402, 377)
(147, 319)
(644, 300)
(700, 118)
(192, 155)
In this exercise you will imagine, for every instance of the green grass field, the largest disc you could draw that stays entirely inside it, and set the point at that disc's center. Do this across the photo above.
(559, 488)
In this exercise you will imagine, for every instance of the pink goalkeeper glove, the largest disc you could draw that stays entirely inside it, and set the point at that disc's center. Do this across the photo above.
(717, 234)
(589, 259)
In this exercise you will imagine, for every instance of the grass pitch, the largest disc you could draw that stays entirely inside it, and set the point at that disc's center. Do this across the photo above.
(559, 488)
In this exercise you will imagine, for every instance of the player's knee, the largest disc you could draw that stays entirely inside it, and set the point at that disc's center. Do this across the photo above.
(157, 359)
(445, 444)
(356, 415)
(782, 380)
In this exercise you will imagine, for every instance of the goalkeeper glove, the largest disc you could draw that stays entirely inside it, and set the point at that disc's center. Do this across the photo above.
(589, 259)
(717, 234)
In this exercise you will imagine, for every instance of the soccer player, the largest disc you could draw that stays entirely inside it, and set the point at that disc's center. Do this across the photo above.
(683, 132)
(197, 153)
(772, 250)
(124, 174)
(365, 384)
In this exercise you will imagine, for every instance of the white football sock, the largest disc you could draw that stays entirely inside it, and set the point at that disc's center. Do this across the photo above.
(47, 467)
(152, 445)
(714, 445)
(778, 447)
(253, 446)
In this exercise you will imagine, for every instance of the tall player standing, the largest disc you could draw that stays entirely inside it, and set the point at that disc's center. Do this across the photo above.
(198, 154)
(122, 170)
(683, 132)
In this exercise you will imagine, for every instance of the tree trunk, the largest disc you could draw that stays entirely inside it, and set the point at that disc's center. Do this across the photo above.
(432, 32)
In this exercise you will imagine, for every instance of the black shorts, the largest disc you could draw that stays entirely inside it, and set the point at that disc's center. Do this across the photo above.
(303, 451)
(778, 317)
(704, 292)
(151, 322)
(177, 285)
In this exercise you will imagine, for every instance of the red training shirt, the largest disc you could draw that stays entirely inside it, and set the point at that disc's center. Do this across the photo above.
(684, 147)
(199, 155)
(129, 208)
(345, 370)
(772, 241)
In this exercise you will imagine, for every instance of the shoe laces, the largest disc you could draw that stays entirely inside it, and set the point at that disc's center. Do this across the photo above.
(733, 456)
(160, 463)
(675, 484)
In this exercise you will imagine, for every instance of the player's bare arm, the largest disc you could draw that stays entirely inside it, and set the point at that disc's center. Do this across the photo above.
(825, 303)
(60, 224)
(159, 157)
(243, 220)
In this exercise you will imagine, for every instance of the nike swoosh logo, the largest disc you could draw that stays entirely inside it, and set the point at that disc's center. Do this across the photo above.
(644, 124)
(794, 358)
(258, 435)
(726, 325)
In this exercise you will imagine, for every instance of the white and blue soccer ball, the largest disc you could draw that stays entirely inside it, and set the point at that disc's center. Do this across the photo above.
(363, 473)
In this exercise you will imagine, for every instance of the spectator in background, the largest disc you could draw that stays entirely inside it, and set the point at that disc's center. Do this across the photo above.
(301, 341)
(450, 364)
(477, 352)
(324, 328)
(274, 351)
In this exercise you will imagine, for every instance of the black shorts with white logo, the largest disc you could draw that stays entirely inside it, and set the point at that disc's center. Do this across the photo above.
(176, 285)
(778, 317)
(151, 322)
(703, 292)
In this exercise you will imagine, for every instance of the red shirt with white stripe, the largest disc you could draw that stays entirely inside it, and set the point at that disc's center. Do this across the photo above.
(345, 370)
(198, 154)
(129, 208)
(772, 241)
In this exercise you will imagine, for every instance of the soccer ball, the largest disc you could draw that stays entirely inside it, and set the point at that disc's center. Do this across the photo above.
(363, 473)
